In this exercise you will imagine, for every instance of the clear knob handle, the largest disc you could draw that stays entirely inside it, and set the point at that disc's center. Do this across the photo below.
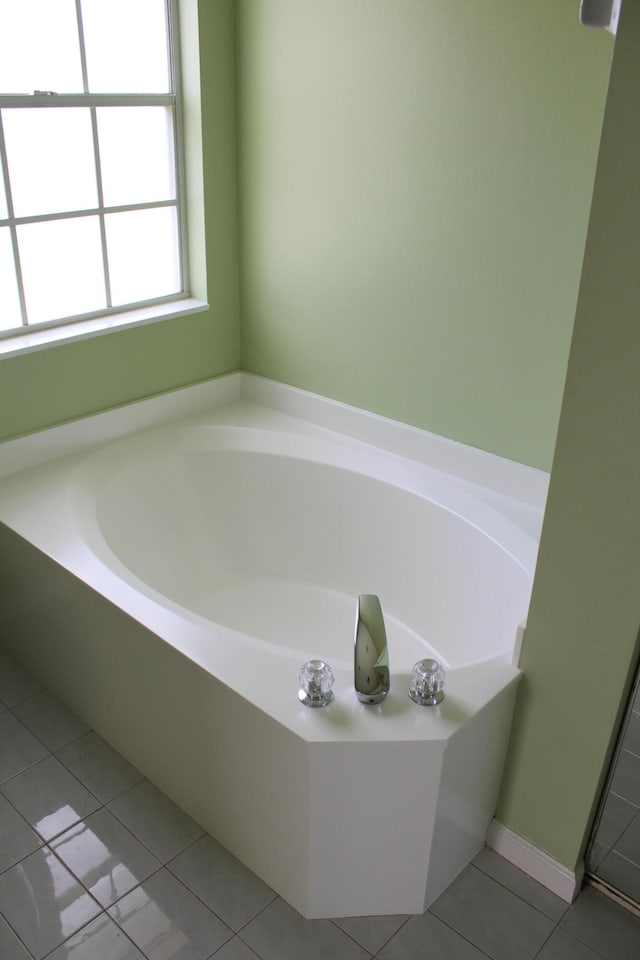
(316, 680)
(426, 683)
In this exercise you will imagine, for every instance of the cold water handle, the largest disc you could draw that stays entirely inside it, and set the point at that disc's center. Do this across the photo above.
(371, 655)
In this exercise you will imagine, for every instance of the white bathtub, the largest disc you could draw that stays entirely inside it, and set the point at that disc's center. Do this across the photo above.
(169, 584)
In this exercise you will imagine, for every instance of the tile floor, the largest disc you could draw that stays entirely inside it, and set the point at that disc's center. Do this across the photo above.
(97, 864)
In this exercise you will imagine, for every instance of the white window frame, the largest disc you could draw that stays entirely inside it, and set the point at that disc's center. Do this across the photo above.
(29, 337)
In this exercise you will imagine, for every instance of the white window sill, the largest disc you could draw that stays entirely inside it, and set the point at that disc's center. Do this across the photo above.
(33, 340)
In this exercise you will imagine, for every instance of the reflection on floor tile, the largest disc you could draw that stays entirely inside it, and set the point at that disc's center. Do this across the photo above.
(10, 946)
(99, 767)
(155, 820)
(105, 857)
(43, 902)
(222, 882)
(99, 940)
(165, 920)
(51, 722)
(49, 797)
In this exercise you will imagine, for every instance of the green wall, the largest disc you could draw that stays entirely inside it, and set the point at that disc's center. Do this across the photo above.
(415, 179)
(581, 643)
(74, 379)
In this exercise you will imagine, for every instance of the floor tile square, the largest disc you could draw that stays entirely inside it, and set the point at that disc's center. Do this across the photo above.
(491, 917)
(99, 767)
(105, 856)
(50, 720)
(236, 949)
(156, 820)
(280, 933)
(17, 839)
(165, 920)
(232, 891)
(16, 682)
(49, 797)
(43, 902)
(10, 946)
(425, 937)
(489, 862)
(604, 925)
(101, 939)
(561, 945)
(371, 932)
(19, 748)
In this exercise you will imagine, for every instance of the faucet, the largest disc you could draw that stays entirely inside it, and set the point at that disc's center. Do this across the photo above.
(371, 656)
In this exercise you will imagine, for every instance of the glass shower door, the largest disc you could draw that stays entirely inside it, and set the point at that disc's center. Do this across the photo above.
(613, 855)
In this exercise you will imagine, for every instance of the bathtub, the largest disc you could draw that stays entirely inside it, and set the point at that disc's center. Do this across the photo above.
(168, 579)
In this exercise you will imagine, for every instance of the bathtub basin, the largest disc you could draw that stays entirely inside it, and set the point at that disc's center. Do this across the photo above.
(179, 576)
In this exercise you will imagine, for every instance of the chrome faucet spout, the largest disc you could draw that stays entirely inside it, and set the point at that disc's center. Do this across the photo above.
(371, 656)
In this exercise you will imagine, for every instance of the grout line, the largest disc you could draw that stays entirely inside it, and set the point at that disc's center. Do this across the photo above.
(458, 933)
(522, 899)
(551, 933)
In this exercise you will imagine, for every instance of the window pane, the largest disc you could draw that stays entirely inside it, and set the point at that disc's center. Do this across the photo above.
(9, 302)
(61, 268)
(142, 250)
(39, 47)
(126, 46)
(136, 154)
(51, 160)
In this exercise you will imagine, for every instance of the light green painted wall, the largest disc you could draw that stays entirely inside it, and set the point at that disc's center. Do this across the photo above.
(415, 179)
(68, 381)
(581, 643)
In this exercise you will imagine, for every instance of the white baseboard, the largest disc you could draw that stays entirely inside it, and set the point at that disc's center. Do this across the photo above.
(562, 881)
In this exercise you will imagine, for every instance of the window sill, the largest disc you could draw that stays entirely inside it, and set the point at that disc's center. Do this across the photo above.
(33, 340)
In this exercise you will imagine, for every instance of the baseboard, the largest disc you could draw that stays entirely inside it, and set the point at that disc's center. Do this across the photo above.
(562, 881)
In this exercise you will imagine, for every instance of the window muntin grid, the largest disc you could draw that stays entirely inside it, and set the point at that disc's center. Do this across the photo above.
(66, 197)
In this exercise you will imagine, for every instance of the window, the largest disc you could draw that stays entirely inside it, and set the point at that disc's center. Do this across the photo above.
(89, 194)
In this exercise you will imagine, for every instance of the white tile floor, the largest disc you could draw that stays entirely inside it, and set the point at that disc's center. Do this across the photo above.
(97, 864)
